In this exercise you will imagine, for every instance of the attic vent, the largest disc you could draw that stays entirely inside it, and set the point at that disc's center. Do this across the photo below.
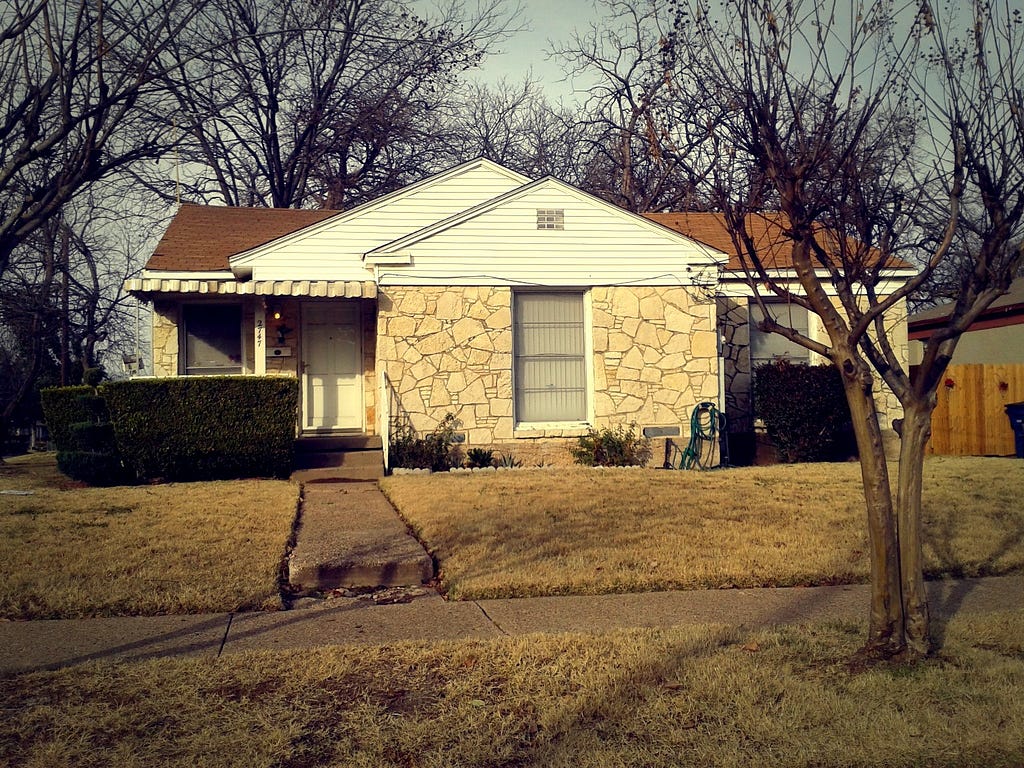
(550, 218)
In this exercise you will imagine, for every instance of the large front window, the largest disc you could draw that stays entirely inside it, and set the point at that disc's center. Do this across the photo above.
(550, 357)
(770, 347)
(212, 338)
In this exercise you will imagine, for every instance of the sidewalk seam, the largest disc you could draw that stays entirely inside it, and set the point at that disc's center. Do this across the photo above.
(495, 624)
(224, 640)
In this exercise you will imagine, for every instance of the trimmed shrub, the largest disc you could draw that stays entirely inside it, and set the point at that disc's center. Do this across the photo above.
(435, 451)
(93, 467)
(62, 407)
(804, 411)
(205, 428)
(80, 428)
(617, 447)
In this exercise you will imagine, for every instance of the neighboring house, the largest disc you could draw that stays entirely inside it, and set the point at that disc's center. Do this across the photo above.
(985, 375)
(528, 309)
(744, 346)
(996, 337)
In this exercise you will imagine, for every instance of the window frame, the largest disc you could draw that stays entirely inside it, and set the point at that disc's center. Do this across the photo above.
(184, 369)
(586, 330)
(802, 356)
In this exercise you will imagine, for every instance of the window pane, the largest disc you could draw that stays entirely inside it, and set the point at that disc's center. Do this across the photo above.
(550, 362)
(765, 347)
(213, 338)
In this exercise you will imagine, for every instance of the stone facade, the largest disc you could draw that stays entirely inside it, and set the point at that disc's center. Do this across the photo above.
(165, 337)
(449, 350)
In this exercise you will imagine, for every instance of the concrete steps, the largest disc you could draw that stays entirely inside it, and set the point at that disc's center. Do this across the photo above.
(338, 458)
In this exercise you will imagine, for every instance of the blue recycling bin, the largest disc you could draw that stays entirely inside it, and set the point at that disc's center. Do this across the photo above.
(1016, 413)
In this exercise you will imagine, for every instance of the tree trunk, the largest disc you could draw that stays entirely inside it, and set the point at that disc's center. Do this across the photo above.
(885, 632)
(917, 428)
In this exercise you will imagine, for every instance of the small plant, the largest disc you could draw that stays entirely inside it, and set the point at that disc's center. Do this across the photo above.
(508, 461)
(435, 451)
(479, 457)
(618, 447)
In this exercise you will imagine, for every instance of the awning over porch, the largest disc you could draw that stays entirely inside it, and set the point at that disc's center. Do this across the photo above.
(328, 289)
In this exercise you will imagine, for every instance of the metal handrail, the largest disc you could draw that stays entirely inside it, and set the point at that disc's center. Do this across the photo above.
(384, 416)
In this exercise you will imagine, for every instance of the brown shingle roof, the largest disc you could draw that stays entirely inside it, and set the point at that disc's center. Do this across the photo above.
(201, 238)
(766, 230)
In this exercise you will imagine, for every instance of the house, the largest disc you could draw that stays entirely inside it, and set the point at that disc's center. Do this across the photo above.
(997, 336)
(528, 309)
(743, 345)
(985, 375)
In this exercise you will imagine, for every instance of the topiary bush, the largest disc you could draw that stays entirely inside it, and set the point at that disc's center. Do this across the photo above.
(435, 451)
(84, 437)
(618, 447)
(804, 411)
(205, 428)
(62, 407)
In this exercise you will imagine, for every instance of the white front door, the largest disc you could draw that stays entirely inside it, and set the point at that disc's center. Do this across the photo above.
(332, 370)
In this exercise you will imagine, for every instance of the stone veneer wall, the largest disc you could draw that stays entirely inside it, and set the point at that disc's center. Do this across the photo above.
(165, 337)
(449, 349)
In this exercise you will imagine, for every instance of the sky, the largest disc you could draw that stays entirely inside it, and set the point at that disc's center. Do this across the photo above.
(545, 20)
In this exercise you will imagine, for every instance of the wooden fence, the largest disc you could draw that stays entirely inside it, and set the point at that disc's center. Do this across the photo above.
(969, 419)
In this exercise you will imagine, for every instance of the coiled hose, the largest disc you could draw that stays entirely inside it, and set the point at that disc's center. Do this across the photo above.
(705, 424)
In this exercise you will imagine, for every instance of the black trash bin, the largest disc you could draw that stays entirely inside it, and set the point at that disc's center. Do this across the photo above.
(1016, 413)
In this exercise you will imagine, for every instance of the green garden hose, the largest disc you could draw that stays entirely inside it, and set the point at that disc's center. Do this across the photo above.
(704, 427)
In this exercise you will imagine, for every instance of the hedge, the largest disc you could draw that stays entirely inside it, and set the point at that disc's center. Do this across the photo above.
(804, 411)
(62, 407)
(205, 428)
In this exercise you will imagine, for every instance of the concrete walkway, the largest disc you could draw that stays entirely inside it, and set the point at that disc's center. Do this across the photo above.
(35, 645)
(350, 536)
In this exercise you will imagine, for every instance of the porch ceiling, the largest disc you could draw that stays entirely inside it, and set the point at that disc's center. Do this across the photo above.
(330, 289)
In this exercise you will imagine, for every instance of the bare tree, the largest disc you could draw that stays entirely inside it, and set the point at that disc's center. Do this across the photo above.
(75, 79)
(290, 103)
(640, 123)
(862, 125)
(516, 125)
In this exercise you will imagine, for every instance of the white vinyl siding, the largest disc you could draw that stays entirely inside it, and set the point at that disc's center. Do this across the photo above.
(768, 347)
(504, 246)
(550, 376)
(334, 250)
(212, 338)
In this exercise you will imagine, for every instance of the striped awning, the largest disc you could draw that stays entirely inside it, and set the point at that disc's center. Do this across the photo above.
(329, 289)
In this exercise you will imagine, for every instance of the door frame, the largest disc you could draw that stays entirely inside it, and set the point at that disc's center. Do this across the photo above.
(303, 382)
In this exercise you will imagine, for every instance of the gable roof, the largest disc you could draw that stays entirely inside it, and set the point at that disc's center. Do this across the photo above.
(767, 230)
(1008, 305)
(202, 238)
(710, 254)
(244, 259)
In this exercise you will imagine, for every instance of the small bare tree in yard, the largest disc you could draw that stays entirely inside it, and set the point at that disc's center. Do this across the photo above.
(876, 135)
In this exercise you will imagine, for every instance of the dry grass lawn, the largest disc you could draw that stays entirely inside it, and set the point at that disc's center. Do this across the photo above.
(70, 552)
(690, 696)
(585, 531)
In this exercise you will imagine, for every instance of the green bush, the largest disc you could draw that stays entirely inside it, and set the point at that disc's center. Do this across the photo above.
(62, 407)
(617, 447)
(435, 451)
(479, 457)
(93, 467)
(205, 428)
(804, 411)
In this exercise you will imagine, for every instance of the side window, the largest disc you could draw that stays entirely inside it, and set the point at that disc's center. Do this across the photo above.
(212, 338)
(766, 347)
